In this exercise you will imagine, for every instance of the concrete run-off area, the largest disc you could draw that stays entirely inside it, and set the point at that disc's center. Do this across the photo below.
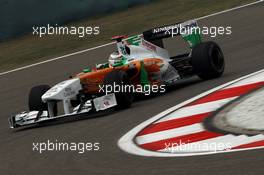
(246, 115)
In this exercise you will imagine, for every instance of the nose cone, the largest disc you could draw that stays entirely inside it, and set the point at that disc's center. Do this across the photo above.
(64, 90)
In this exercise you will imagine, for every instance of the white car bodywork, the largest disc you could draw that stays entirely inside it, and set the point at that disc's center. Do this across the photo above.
(144, 49)
(67, 90)
(63, 90)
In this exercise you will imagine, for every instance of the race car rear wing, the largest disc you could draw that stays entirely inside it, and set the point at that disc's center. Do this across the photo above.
(188, 30)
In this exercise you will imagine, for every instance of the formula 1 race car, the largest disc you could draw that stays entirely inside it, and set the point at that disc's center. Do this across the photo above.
(140, 61)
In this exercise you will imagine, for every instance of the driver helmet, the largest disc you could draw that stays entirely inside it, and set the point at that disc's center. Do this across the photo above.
(115, 59)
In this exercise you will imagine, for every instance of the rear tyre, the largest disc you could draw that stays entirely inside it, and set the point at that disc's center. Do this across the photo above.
(119, 77)
(208, 60)
(35, 102)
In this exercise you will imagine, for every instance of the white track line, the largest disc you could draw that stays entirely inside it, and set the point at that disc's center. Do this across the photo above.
(54, 59)
(93, 48)
(228, 10)
(256, 79)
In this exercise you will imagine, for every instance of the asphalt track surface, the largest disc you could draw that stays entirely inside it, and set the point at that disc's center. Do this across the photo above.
(244, 51)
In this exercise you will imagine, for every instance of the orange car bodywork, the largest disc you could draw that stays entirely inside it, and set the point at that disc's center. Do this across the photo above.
(93, 79)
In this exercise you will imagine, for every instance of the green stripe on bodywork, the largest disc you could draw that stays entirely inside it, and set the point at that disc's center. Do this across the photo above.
(194, 38)
(143, 75)
(87, 70)
(134, 40)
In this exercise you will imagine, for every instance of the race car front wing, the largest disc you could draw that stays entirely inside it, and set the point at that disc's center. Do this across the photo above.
(90, 106)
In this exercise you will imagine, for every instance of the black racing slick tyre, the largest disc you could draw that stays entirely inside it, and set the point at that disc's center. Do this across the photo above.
(120, 78)
(35, 102)
(208, 60)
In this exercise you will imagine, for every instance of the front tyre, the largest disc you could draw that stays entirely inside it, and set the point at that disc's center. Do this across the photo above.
(208, 60)
(35, 102)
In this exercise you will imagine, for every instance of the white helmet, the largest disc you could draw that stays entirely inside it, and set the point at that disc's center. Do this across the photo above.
(115, 59)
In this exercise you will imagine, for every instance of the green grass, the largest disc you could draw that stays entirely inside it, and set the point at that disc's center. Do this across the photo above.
(31, 49)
